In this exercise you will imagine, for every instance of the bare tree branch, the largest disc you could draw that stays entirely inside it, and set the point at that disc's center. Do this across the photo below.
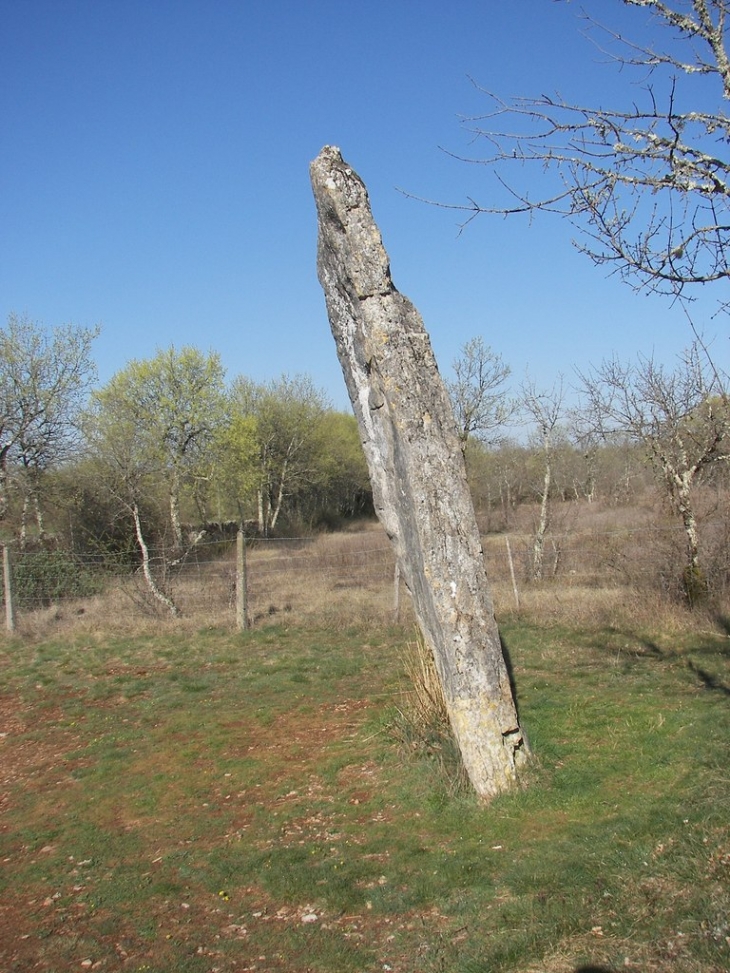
(646, 184)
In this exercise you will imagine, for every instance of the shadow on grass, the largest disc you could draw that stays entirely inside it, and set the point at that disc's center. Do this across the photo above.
(723, 622)
(510, 671)
(656, 651)
(593, 969)
(649, 649)
(707, 679)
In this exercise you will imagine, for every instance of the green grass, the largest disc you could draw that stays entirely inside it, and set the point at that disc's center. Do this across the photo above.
(185, 803)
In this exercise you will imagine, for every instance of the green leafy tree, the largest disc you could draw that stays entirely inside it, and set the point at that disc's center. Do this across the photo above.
(126, 466)
(152, 429)
(288, 413)
(342, 490)
(235, 464)
(164, 414)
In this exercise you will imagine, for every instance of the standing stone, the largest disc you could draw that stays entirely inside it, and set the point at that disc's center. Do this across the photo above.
(417, 472)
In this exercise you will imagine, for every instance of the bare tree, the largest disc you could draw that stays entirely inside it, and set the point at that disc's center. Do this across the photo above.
(44, 379)
(647, 182)
(478, 394)
(544, 408)
(680, 417)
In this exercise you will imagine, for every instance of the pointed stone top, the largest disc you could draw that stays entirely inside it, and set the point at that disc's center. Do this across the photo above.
(350, 245)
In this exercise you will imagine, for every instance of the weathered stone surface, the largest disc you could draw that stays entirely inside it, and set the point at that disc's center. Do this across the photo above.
(417, 472)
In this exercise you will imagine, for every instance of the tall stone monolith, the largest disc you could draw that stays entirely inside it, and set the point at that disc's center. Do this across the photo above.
(417, 472)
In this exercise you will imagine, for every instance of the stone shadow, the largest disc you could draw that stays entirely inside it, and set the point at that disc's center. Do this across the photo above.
(708, 680)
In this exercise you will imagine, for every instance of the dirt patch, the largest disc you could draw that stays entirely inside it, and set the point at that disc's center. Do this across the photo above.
(30, 762)
(26, 757)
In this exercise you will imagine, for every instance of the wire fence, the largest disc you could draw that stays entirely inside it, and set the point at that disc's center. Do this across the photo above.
(336, 578)
(279, 578)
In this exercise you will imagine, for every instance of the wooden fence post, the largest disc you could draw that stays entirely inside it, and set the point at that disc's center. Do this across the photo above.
(8, 590)
(241, 583)
(512, 574)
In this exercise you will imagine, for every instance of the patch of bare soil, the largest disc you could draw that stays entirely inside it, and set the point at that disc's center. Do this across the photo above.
(28, 763)
(26, 759)
(57, 926)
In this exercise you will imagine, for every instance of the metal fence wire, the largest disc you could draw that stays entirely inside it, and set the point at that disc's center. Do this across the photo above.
(330, 577)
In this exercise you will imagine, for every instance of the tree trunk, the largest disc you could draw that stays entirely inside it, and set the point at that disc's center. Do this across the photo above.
(147, 570)
(538, 548)
(175, 512)
(4, 477)
(689, 521)
(30, 498)
(695, 583)
(417, 472)
(23, 532)
(260, 509)
(274, 511)
(590, 490)
(40, 522)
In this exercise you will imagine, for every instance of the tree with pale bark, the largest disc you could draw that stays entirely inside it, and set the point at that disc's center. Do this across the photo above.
(152, 429)
(543, 408)
(45, 377)
(121, 461)
(681, 419)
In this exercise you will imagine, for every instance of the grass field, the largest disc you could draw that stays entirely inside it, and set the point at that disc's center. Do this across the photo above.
(209, 801)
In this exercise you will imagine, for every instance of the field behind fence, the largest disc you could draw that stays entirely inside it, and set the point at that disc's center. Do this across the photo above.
(348, 578)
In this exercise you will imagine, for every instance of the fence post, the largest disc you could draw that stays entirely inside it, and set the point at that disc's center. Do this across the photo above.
(8, 590)
(512, 574)
(241, 583)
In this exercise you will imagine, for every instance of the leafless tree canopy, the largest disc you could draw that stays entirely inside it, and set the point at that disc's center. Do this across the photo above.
(679, 416)
(647, 183)
(478, 392)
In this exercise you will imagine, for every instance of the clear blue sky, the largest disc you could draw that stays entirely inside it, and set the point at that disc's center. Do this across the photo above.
(154, 177)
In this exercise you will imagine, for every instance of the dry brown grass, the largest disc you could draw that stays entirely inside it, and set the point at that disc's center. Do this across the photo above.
(423, 704)
(585, 606)
(334, 580)
(593, 579)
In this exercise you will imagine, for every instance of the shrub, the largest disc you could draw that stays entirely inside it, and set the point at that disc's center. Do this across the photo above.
(695, 585)
(41, 578)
